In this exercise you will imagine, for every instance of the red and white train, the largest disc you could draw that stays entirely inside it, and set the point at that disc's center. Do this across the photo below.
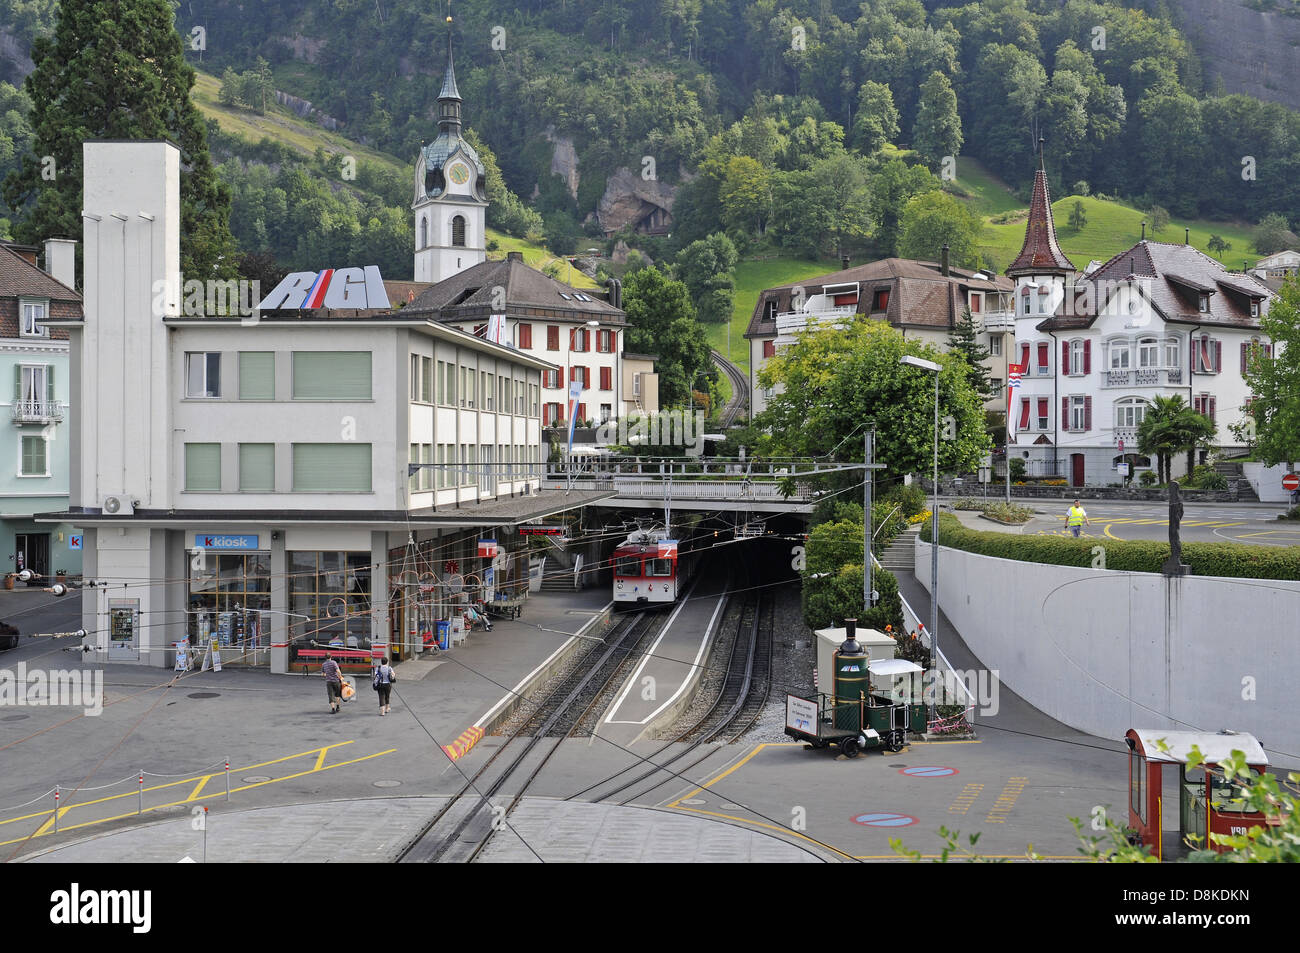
(651, 567)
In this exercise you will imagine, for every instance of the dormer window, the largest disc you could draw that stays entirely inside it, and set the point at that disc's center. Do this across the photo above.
(34, 314)
(880, 300)
(1254, 307)
(769, 311)
(1205, 303)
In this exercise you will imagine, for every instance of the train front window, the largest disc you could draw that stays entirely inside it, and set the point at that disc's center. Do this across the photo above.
(658, 567)
(627, 566)
(1223, 793)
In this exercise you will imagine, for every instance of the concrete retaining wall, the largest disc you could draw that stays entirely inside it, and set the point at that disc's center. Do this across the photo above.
(1267, 482)
(1105, 651)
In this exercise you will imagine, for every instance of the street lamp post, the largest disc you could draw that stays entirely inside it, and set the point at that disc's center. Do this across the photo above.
(934, 506)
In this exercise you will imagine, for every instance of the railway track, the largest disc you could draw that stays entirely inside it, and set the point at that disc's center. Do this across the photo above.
(464, 825)
(741, 699)
(739, 390)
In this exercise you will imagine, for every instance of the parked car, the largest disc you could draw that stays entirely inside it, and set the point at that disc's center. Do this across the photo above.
(8, 636)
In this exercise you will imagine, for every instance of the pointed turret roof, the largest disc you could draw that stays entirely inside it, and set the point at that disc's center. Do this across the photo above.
(1040, 254)
(449, 90)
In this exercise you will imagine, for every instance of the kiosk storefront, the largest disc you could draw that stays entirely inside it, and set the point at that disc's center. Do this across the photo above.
(229, 591)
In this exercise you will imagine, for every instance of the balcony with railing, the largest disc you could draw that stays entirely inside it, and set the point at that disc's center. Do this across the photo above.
(999, 320)
(38, 411)
(1143, 377)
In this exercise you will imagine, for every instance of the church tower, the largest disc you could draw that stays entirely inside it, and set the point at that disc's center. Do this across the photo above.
(450, 193)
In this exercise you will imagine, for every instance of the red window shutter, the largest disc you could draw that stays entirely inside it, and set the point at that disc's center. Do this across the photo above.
(1042, 355)
(769, 348)
(1042, 406)
(1244, 346)
(582, 411)
(1211, 414)
(975, 303)
(1065, 357)
(1087, 413)
(1066, 422)
(552, 338)
(1024, 358)
(1218, 356)
(1024, 413)
(850, 298)
(546, 415)
(1268, 350)
(605, 377)
(1087, 358)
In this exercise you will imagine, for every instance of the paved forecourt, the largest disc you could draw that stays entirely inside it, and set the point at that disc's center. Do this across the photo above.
(282, 744)
(661, 685)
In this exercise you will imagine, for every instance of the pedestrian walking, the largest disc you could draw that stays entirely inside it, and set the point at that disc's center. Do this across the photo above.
(333, 682)
(1076, 518)
(382, 682)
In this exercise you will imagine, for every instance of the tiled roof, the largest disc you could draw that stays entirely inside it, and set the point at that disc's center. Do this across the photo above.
(1173, 277)
(924, 298)
(468, 295)
(20, 278)
(1040, 253)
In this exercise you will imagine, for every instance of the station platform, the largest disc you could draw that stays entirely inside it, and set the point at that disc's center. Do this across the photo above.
(282, 743)
(674, 662)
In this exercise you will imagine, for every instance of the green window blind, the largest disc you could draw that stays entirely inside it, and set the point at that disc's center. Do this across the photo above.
(33, 456)
(331, 375)
(331, 466)
(203, 466)
(257, 466)
(257, 375)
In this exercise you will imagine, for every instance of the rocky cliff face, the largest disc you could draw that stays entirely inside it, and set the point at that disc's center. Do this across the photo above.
(564, 160)
(1254, 51)
(629, 199)
(303, 109)
(15, 63)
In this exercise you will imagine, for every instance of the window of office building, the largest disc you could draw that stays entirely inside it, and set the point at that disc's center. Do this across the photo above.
(332, 589)
(331, 375)
(225, 592)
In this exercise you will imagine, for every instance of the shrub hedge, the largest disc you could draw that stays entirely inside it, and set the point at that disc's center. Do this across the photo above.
(1143, 555)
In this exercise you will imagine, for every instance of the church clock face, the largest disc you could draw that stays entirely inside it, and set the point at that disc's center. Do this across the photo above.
(458, 173)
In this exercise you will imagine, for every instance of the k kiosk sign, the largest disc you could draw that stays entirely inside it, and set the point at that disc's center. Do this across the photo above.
(224, 541)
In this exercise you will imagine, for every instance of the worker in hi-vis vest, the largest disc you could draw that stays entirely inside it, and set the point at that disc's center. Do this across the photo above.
(1077, 518)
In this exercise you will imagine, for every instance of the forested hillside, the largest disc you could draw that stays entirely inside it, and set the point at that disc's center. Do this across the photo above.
(803, 124)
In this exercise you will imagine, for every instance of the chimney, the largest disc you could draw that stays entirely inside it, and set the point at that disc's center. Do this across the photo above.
(515, 256)
(844, 263)
(615, 290)
(61, 260)
(1144, 231)
(850, 644)
(26, 252)
(943, 260)
(1187, 236)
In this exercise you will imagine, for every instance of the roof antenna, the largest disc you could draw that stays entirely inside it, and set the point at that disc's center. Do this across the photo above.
(1144, 231)
(1187, 236)
(1041, 140)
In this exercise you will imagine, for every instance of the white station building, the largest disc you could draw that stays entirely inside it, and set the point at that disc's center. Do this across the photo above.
(249, 480)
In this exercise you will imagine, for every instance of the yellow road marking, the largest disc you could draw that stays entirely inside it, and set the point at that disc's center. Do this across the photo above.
(1109, 533)
(172, 784)
(159, 807)
(321, 760)
(198, 787)
(50, 823)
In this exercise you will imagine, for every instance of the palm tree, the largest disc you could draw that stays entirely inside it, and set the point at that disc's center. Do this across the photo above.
(1171, 427)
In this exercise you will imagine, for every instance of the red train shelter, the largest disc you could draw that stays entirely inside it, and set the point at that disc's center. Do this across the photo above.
(1205, 798)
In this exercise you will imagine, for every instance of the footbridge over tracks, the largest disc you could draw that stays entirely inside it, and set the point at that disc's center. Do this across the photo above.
(759, 485)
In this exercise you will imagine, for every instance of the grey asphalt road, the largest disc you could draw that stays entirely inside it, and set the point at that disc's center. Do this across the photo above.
(1202, 523)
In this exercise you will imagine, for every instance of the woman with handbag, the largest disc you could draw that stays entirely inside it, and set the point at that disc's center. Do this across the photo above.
(383, 684)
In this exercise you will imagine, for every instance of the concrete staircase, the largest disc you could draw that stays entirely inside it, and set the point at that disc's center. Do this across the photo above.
(557, 571)
(1233, 473)
(899, 557)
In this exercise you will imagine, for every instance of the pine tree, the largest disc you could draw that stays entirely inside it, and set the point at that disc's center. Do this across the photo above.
(964, 339)
(116, 71)
(937, 132)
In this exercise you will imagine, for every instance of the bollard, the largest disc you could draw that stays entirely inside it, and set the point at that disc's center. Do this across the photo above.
(227, 779)
(139, 807)
(56, 808)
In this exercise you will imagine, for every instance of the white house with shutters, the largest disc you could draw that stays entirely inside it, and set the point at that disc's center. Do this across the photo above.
(1157, 320)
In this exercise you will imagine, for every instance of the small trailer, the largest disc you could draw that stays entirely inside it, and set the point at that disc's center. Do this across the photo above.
(871, 720)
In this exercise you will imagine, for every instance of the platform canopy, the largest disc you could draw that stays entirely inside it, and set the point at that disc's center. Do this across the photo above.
(1214, 746)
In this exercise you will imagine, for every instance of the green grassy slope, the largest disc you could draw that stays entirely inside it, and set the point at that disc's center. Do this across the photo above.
(282, 125)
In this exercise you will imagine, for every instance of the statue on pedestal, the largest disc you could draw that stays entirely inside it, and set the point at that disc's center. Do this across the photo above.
(1174, 565)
